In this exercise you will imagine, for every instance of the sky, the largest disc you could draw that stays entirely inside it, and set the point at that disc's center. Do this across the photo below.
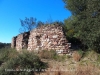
(11, 11)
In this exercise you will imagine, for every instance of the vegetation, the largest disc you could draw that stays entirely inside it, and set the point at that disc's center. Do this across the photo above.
(28, 24)
(4, 45)
(23, 63)
(77, 55)
(82, 29)
(7, 54)
(51, 55)
(84, 22)
(85, 66)
(28, 63)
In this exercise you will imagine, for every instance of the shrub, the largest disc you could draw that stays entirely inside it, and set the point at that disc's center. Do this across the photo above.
(92, 55)
(51, 54)
(60, 58)
(7, 53)
(98, 58)
(26, 63)
(68, 56)
(45, 54)
(77, 55)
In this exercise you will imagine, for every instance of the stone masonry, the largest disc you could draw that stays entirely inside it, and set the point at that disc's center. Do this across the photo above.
(22, 41)
(13, 43)
(42, 38)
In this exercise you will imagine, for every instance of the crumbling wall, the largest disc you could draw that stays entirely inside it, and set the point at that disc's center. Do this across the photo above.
(25, 40)
(19, 40)
(13, 43)
(47, 38)
(43, 38)
(22, 41)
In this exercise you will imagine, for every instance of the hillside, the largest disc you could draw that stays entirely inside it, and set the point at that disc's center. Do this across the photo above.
(48, 63)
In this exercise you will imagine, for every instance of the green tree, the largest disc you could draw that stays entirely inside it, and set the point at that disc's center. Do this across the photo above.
(69, 26)
(87, 13)
(4, 45)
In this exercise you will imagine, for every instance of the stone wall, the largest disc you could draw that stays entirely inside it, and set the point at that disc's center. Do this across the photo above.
(43, 38)
(13, 43)
(19, 41)
(22, 41)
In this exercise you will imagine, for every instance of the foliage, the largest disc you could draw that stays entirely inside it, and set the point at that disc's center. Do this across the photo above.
(69, 26)
(58, 22)
(28, 24)
(98, 59)
(45, 54)
(7, 53)
(87, 24)
(25, 63)
(60, 58)
(39, 23)
(77, 55)
(2, 45)
(80, 52)
(91, 55)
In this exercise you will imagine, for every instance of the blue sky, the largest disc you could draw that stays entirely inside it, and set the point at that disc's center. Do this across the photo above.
(13, 10)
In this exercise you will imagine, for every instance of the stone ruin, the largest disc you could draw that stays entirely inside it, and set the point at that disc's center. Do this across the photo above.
(46, 37)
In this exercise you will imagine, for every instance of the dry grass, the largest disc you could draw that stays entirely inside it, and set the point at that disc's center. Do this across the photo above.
(70, 67)
(45, 54)
(80, 70)
(51, 55)
(59, 68)
(76, 56)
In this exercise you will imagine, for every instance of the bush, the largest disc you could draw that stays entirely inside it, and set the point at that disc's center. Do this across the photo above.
(45, 54)
(60, 58)
(98, 58)
(7, 53)
(92, 55)
(80, 52)
(68, 56)
(77, 55)
(26, 63)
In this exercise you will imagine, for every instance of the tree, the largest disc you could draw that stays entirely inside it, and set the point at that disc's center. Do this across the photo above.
(5, 45)
(39, 23)
(87, 13)
(28, 24)
(58, 22)
(69, 25)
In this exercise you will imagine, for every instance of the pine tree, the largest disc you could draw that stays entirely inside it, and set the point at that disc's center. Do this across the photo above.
(87, 25)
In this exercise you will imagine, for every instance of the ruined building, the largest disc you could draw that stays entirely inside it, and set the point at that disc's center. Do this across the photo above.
(42, 38)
